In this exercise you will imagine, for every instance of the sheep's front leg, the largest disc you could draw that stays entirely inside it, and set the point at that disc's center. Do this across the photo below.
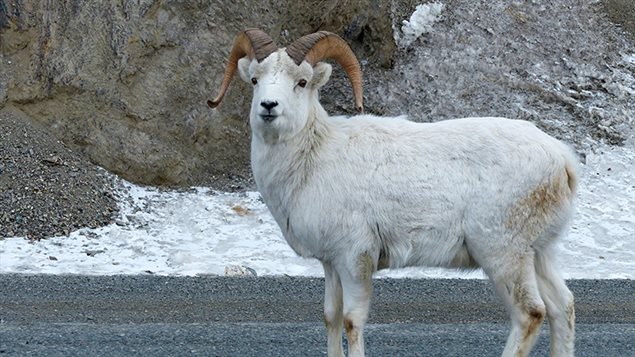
(357, 291)
(333, 318)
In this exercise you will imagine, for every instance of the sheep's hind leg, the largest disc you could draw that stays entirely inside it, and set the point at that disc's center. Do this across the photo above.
(559, 302)
(516, 284)
(333, 313)
(357, 291)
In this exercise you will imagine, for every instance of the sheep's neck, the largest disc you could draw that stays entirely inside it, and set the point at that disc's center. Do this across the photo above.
(295, 158)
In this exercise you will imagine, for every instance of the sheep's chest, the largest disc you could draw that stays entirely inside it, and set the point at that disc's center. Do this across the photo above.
(296, 232)
(279, 201)
(290, 199)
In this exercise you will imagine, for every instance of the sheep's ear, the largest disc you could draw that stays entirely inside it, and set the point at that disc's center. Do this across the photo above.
(243, 69)
(321, 74)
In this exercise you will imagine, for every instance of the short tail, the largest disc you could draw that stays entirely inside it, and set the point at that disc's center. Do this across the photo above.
(572, 177)
(571, 169)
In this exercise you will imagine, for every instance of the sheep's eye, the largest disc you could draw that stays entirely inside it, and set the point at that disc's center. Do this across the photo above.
(254, 81)
(302, 83)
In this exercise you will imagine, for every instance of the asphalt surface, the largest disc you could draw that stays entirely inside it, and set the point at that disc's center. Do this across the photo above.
(44, 315)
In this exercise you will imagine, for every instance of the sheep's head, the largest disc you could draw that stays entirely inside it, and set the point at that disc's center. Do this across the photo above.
(286, 81)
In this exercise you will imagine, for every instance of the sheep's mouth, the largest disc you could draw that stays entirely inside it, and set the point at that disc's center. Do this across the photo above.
(268, 117)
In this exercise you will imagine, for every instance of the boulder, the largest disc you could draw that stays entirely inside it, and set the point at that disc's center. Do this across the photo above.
(126, 82)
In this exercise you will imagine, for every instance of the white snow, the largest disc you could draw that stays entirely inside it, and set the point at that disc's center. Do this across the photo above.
(201, 232)
(420, 22)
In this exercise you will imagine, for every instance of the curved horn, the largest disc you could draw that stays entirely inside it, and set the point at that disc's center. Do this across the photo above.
(253, 43)
(323, 45)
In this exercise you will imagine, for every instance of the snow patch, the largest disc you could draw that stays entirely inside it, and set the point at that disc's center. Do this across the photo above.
(420, 22)
(204, 232)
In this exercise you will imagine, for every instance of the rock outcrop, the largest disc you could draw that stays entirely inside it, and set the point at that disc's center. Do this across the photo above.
(126, 82)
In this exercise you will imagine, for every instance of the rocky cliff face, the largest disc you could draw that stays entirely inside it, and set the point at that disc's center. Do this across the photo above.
(126, 82)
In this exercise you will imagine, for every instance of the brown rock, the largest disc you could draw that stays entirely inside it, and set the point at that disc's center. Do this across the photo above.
(126, 82)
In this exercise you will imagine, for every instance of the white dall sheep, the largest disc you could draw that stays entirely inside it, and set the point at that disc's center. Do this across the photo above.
(365, 193)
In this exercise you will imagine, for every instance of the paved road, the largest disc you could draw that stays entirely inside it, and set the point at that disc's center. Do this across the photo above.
(216, 316)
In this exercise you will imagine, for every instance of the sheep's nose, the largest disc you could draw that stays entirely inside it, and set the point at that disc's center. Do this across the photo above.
(268, 104)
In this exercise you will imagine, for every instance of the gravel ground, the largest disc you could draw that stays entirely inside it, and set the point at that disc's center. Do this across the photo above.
(29, 298)
(74, 315)
(45, 188)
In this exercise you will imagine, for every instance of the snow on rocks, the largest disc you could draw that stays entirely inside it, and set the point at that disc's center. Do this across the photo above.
(420, 22)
